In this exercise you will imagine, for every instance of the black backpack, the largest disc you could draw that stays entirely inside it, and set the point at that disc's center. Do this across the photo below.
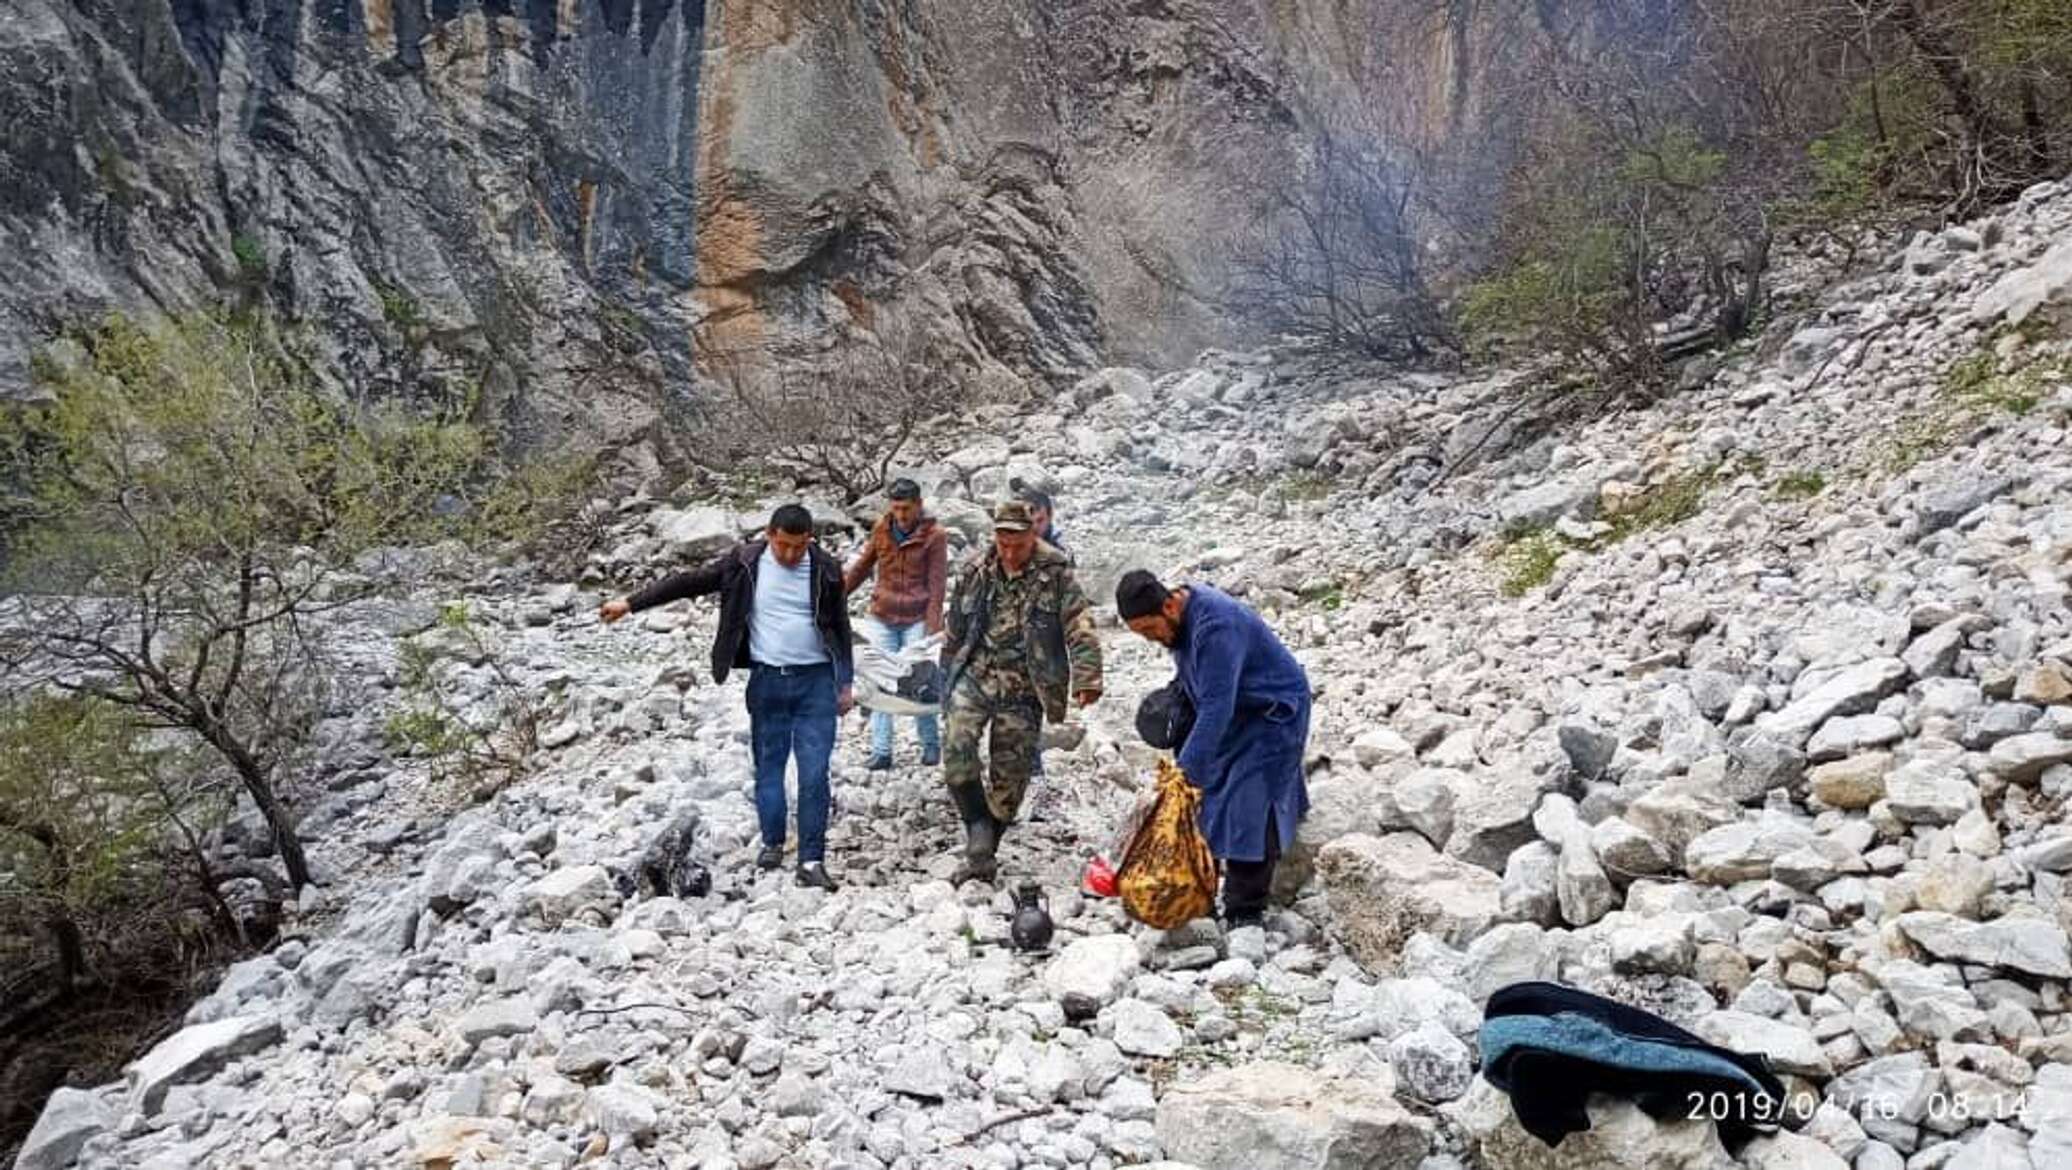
(1165, 717)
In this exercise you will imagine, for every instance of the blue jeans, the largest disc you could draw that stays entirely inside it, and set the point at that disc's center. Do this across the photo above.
(891, 639)
(791, 712)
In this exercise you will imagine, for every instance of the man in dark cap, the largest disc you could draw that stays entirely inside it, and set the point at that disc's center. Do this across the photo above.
(1244, 749)
(1019, 641)
(782, 615)
(1043, 516)
(910, 554)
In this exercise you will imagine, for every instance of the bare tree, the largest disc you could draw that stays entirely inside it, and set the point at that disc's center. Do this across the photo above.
(841, 416)
(1353, 248)
(1339, 255)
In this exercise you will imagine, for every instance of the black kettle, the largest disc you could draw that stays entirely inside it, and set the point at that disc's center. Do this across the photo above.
(1031, 928)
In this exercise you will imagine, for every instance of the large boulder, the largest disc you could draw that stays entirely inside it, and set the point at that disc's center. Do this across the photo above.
(1492, 815)
(1744, 850)
(1340, 803)
(1092, 973)
(1847, 691)
(1620, 1135)
(2030, 945)
(2042, 289)
(69, 1120)
(1273, 1116)
(568, 891)
(1545, 503)
(1384, 889)
(1584, 890)
(1789, 1049)
(698, 534)
(1678, 812)
(2024, 758)
(194, 1054)
(1943, 504)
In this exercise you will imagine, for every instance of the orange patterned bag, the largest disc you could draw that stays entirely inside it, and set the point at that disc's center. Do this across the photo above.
(1168, 876)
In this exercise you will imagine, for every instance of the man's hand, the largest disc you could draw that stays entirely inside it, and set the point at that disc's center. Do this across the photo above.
(614, 609)
(845, 701)
(1087, 698)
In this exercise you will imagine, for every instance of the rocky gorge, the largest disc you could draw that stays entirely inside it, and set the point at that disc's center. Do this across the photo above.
(534, 208)
(1752, 707)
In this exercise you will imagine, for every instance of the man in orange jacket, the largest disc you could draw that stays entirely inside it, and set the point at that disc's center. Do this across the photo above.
(909, 553)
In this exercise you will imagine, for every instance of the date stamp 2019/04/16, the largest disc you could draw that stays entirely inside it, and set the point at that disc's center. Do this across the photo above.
(2002, 1104)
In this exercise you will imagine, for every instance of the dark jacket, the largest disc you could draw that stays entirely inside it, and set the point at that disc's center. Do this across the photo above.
(1550, 1046)
(732, 575)
(913, 574)
(1055, 539)
(1251, 725)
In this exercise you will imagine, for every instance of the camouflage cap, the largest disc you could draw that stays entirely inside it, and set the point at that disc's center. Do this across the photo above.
(1012, 516)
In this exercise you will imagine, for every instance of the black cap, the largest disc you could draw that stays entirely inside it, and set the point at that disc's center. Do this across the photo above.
(1033, 496)
(1139, 594)
(904, 489)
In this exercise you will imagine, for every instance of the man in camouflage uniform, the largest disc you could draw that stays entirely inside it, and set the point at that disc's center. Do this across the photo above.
(1019, 638)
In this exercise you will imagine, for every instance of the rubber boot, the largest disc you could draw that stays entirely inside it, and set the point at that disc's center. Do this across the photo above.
(981, 834)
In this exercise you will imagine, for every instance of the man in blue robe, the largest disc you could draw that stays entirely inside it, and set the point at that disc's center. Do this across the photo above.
(1251, 725)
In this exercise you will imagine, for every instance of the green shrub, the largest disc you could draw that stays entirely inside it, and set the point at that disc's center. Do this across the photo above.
(1527, 561)
(399, 308)
(251, 258)
(1981, 382)
(1672, 501)
(1799, 485)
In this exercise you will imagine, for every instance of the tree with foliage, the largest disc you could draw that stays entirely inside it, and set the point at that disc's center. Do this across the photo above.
(192, 504)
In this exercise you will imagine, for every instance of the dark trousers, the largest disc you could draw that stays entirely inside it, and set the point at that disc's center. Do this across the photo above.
(1246, 884)
(791, 714)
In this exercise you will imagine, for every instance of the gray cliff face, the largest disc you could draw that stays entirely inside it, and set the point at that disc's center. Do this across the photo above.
(1061, 178)
(487, 197)
(544, 202)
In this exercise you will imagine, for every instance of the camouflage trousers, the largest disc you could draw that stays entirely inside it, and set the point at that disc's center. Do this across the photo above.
(1016, 725)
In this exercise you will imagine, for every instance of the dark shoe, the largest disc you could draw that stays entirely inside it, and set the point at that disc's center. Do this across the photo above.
(879, 764)
(1239, 919)
(815, 875)
(930, 757)
(976, 870)
(981, 833)
(771, 857)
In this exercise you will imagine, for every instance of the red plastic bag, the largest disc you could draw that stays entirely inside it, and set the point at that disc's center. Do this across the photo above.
(1099, 879)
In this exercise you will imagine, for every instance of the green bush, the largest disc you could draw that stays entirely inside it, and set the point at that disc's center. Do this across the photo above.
(1800, 485)
(1527, 561)
(399, 308)
(1982, 382)
(1672, 501)
(251, 258)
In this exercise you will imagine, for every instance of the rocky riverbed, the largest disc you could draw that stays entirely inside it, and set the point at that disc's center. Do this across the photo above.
(1752, 707)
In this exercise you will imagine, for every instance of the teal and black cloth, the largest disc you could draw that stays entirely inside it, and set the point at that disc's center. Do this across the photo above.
(1551, 1046)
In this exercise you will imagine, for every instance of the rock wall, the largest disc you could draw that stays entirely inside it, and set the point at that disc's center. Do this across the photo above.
(541, 201)
(460, 199)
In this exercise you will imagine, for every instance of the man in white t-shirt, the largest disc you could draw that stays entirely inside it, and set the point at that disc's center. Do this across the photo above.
(784, 615)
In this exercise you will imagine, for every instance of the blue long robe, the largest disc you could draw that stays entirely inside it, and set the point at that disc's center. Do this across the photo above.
(1251, 725)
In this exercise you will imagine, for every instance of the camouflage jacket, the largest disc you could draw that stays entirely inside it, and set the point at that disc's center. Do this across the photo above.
(1060, 649)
